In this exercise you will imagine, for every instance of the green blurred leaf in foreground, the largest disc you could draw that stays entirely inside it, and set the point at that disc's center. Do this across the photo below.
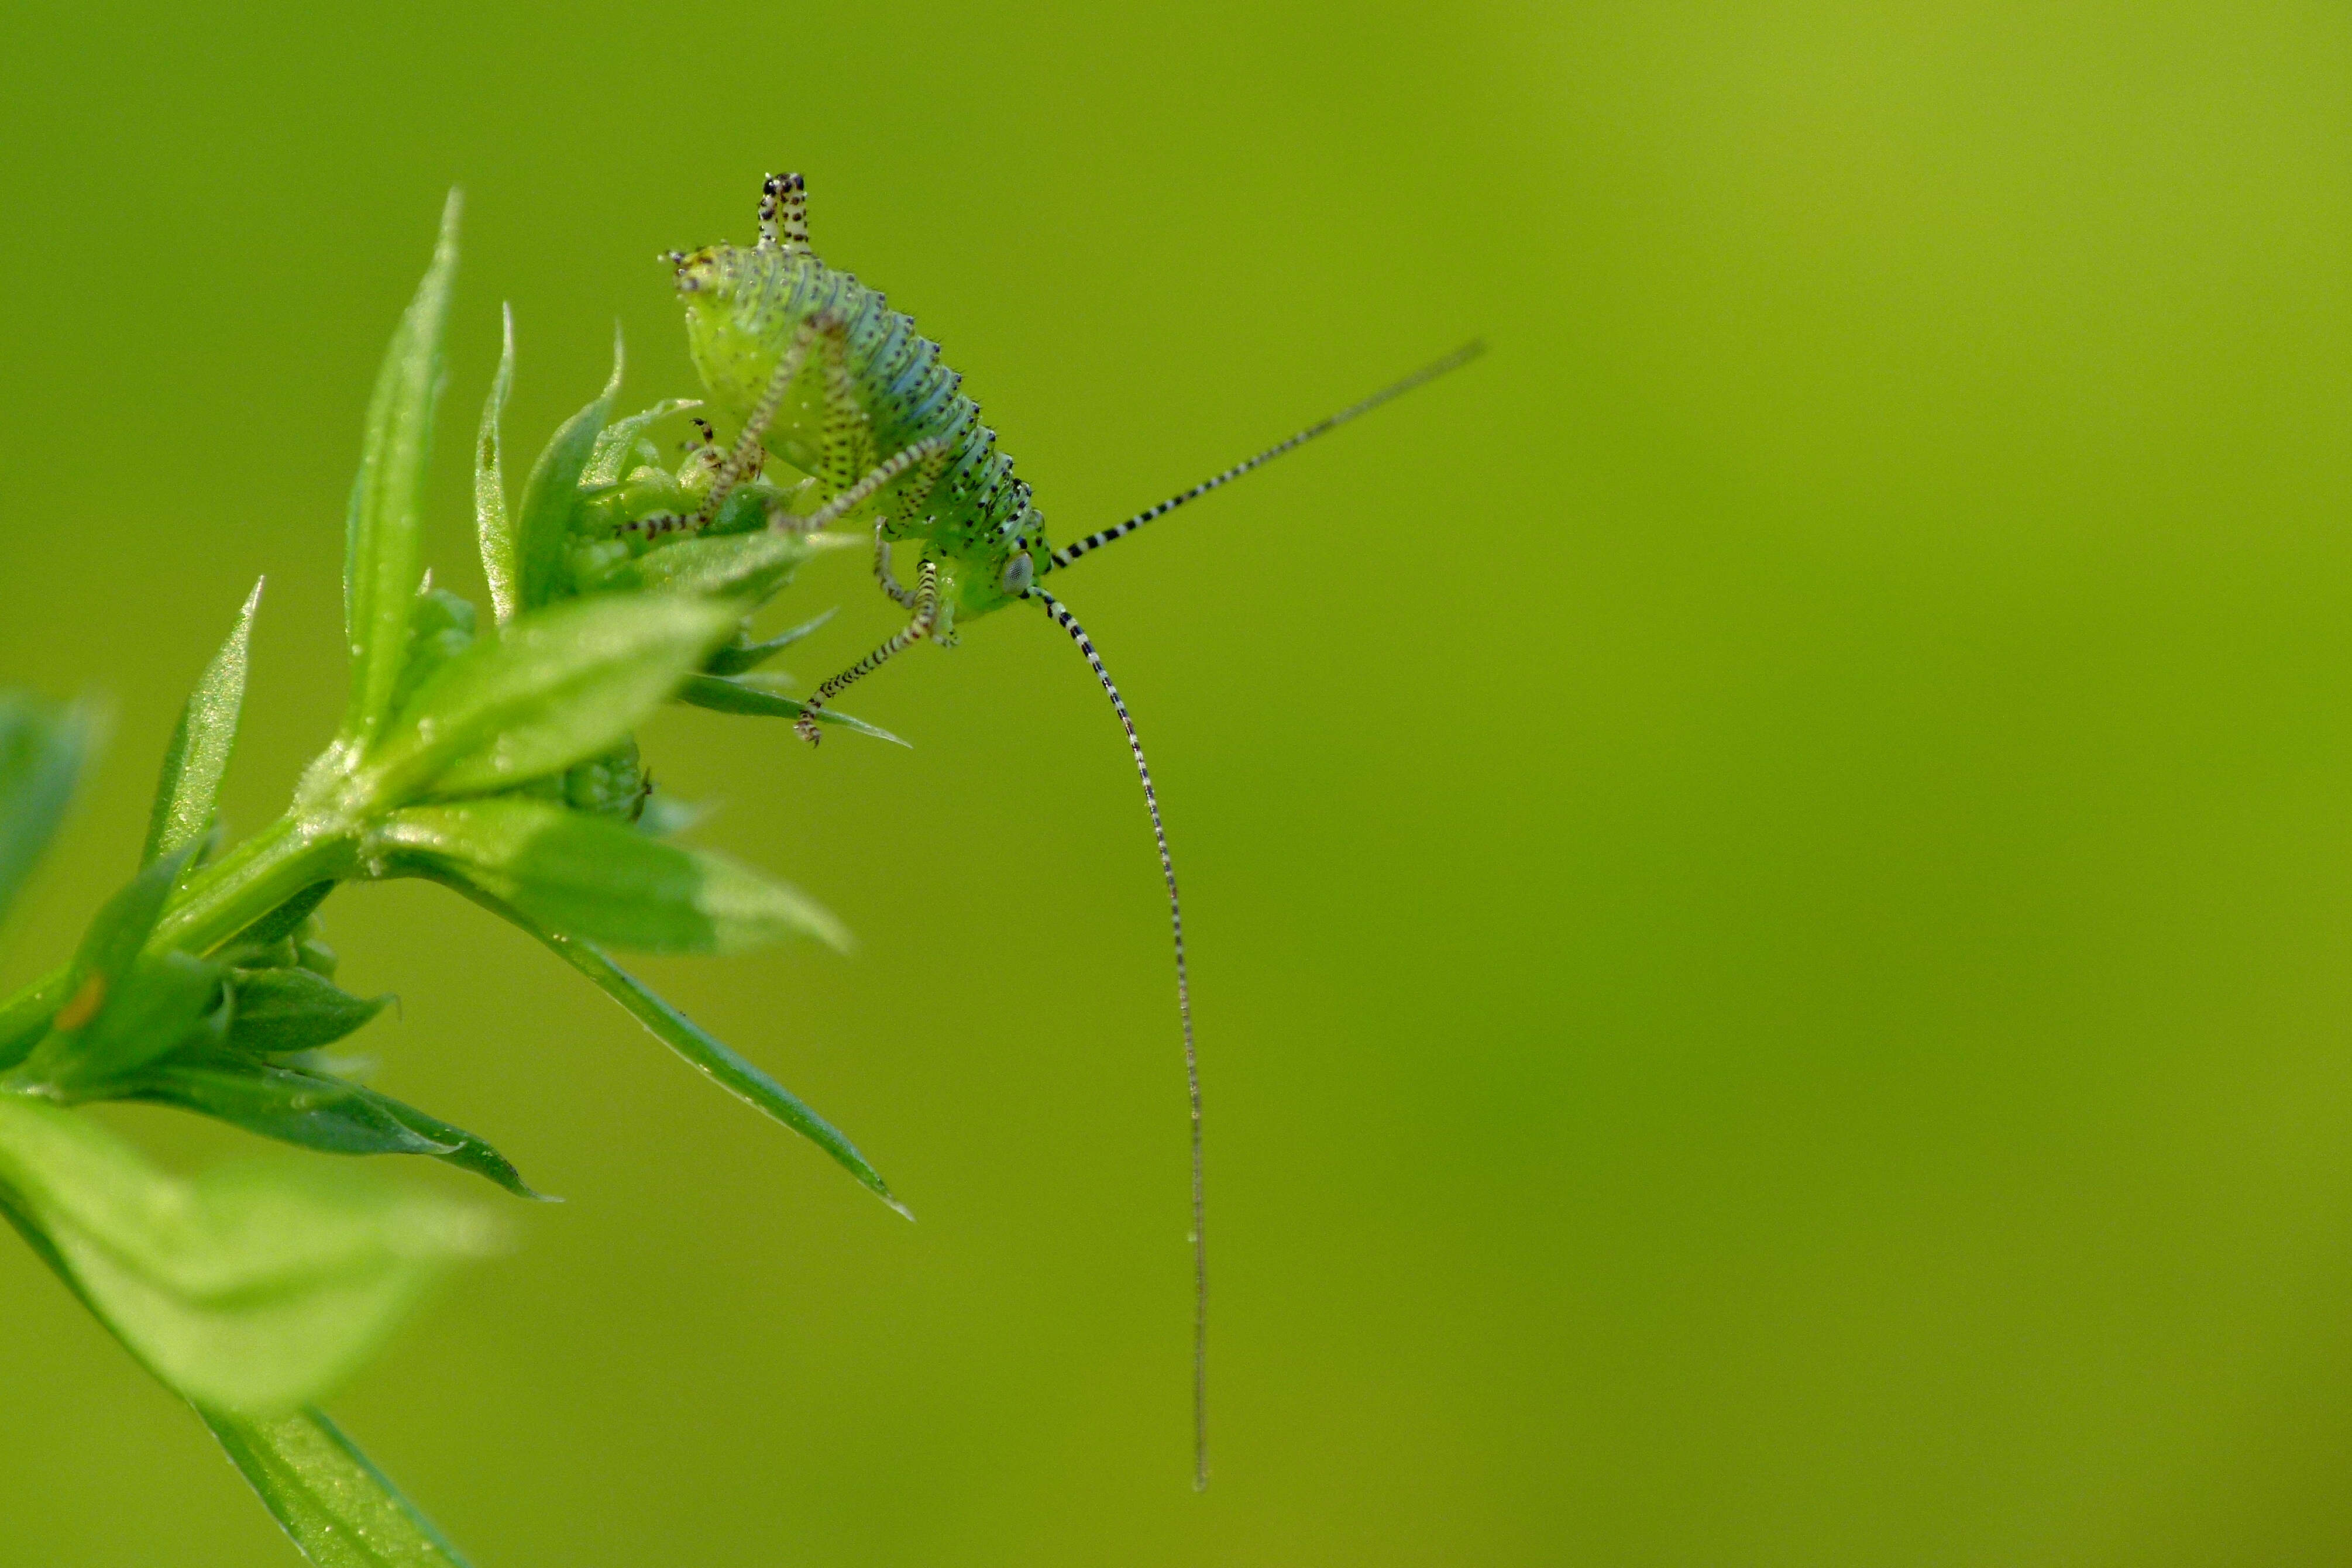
(42, 749)
(249, 1288)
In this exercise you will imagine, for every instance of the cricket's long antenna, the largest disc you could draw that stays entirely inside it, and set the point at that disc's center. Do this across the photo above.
(1428, 372)
(1191, 1059)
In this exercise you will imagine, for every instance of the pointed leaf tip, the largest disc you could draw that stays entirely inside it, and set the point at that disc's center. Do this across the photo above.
(542, 526)
(42, 749)
(382, 550)
(188, 793)
(700, 1049)
(494, 524)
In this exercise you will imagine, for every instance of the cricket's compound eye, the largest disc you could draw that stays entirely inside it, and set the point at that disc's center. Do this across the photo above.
(1019, 573)
(696, 271)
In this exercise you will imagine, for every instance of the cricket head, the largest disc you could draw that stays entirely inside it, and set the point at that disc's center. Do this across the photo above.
(975, 582)
(734, 349)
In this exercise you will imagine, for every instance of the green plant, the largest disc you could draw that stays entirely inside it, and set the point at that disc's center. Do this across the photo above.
(499, 763)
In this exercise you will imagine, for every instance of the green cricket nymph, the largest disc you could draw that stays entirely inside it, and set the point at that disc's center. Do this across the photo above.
(823, 375)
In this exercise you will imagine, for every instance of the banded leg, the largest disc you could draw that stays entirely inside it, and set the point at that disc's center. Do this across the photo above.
(846, 469)
(745, 459)
(928, 455)
(659, 523)
(927, 615)
(904, 597)
(845, 448)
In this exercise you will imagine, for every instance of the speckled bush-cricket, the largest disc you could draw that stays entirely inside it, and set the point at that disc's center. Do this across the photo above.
(879, 438)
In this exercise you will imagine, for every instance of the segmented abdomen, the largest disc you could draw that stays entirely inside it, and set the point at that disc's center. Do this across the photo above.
(909, 395)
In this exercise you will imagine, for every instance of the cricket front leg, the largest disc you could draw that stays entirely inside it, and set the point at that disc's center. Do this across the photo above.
(927, 617)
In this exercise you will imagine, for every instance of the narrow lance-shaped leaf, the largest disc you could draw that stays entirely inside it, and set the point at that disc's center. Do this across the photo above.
(318, 1111)
(706, 1053)
(24, 1017)
(543, 530)
(315, 1112)
(100, 980)
(42, 750)
(197, 759)
(166, 1001)
(738, 656)
(746, 566)
(331, 1501)
(722, 696)
(592, 877)
(381, 546)
(282, 922)
(551, 689)
(250, 1288)
(41, 753)
(279, 1010)
(493, 524)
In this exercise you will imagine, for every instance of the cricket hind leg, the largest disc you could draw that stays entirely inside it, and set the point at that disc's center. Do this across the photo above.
(926, 615)
(747, 456)
(924, 458)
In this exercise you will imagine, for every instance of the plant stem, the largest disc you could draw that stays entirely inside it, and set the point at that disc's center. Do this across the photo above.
(222, 899)
(252, 879)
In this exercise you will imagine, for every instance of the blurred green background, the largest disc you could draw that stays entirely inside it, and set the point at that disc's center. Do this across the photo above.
(1768, 868)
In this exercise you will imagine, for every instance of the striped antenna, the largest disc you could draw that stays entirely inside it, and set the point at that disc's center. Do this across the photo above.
(1192, 1061)
(1428, 372)
(783, 213)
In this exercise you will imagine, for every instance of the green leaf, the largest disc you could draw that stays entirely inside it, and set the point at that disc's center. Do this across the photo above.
(493, 524)
(553, 687)
(589, 876)
(198, 756)
(336, 1506)
(250, 1288)
(166, 1001)
(282, 922)
(609, 463)
(41, 753)
(284, 1010)
(721, 696)
(463, 1150)
(745, 566)
(440, 627)
(25, 1018)
(311, 1110)
(318, 1111)
(552, 495)
(381, 555)
(738, 656)
(87, 990)
(704, 1052)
